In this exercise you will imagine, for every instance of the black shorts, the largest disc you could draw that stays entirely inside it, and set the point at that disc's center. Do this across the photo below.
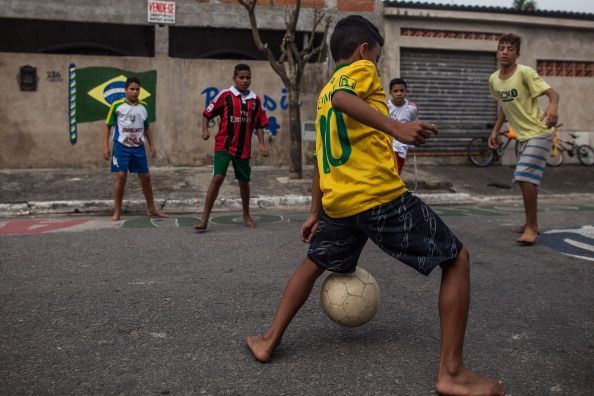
(406, 228)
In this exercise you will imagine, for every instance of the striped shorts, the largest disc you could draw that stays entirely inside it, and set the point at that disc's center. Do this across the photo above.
(533, 159)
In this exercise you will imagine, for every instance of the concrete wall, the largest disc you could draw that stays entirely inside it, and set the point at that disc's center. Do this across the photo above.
(543, 38)
(34, 127)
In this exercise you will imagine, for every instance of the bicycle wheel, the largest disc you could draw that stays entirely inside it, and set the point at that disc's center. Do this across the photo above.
(479, 152)
(585, 155)
(556, 157)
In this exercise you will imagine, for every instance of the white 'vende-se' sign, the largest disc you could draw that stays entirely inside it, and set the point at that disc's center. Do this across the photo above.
(161, 11)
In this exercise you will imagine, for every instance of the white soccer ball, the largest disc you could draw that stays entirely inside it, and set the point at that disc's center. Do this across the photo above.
(350, 300)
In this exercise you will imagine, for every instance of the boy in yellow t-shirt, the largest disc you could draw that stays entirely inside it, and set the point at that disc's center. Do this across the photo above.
(363, 197)
(517, 88)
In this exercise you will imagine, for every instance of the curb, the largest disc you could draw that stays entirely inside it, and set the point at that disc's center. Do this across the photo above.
(301, 202)
(40, 208)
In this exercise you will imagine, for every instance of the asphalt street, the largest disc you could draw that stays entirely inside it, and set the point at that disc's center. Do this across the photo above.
(93, 307)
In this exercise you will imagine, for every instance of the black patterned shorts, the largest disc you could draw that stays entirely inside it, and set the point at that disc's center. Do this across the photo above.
(406, 228)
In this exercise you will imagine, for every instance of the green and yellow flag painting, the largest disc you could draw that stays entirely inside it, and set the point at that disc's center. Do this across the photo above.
(92, 90)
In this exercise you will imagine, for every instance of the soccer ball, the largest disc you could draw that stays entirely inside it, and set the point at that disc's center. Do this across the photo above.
(350, 300)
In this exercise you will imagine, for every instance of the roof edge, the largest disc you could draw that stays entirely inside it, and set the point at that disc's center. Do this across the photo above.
(491, 9)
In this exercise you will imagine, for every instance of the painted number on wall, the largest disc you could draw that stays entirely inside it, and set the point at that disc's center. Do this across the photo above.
(53, 75)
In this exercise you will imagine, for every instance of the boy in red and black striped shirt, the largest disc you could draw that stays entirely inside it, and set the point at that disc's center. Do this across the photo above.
(240, 112)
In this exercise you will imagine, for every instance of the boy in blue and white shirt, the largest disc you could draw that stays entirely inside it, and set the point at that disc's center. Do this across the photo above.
(401, 110)
(128, 118)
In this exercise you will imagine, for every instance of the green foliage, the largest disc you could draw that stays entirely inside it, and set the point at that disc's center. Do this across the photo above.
(524, 5)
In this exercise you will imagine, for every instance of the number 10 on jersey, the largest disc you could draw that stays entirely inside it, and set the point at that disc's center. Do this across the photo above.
(333, 125)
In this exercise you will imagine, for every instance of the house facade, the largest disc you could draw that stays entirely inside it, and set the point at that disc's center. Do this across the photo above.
(445, 53)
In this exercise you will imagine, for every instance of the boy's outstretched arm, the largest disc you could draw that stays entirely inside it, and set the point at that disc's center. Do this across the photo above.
(308, 229)
(550, 115)
(414, 133)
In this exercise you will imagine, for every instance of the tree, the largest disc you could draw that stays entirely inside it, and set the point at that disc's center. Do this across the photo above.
(524, 5)
(290, 66)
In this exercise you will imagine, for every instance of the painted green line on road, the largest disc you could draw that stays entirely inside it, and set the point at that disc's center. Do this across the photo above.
(139, 222)
(238, 219)
(186, 221)
(453, 211)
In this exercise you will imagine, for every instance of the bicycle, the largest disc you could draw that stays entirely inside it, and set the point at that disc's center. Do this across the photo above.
(584, 152)
(481, 155)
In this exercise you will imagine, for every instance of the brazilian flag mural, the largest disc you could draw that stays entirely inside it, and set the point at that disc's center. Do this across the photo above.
(92, 90)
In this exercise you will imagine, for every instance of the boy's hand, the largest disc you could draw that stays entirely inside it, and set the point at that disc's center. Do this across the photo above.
(309, 228)
(205, 134)
(492, 142)
(106, 154)
(263, 149)
(550, 116)
(414, 133)
(153, 151)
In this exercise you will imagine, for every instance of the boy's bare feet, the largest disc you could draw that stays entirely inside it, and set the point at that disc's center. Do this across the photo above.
(529, 237)
(249, 222)
(467, 382)
(116, 216)
(200, 227)
(260, 348)
(156, 213)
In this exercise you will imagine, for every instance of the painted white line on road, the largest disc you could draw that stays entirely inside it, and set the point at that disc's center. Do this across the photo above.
(580, 257)
(579, 244)
(587, 231)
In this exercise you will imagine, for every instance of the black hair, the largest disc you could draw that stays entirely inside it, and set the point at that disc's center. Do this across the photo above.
(132, 80)
(241, 67)
(398, 81)
(512, 39)
(349, 33)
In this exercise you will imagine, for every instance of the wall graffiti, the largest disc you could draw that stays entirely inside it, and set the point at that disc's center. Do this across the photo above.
(269, 104)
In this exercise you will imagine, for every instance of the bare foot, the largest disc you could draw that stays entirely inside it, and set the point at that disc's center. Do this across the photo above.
(156, 213)
(528, 237)
(249, 222)
(261, 349)
(116, 216)
(467, 382)
(200, 227)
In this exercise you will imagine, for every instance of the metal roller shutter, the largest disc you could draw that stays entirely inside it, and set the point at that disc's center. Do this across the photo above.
(451, 91)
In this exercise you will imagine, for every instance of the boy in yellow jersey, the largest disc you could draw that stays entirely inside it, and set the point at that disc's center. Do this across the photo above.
(362, 196)
(517, 88)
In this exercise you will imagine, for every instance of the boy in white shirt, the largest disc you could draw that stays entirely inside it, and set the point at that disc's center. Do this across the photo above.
(401, 110)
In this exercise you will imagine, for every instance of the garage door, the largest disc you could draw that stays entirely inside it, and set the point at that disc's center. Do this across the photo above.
(451, 91)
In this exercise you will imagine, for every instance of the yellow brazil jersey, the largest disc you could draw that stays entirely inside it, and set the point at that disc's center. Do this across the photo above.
(356, 162)
(518, 96)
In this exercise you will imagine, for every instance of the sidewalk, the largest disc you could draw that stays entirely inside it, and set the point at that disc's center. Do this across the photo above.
(182, 189)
